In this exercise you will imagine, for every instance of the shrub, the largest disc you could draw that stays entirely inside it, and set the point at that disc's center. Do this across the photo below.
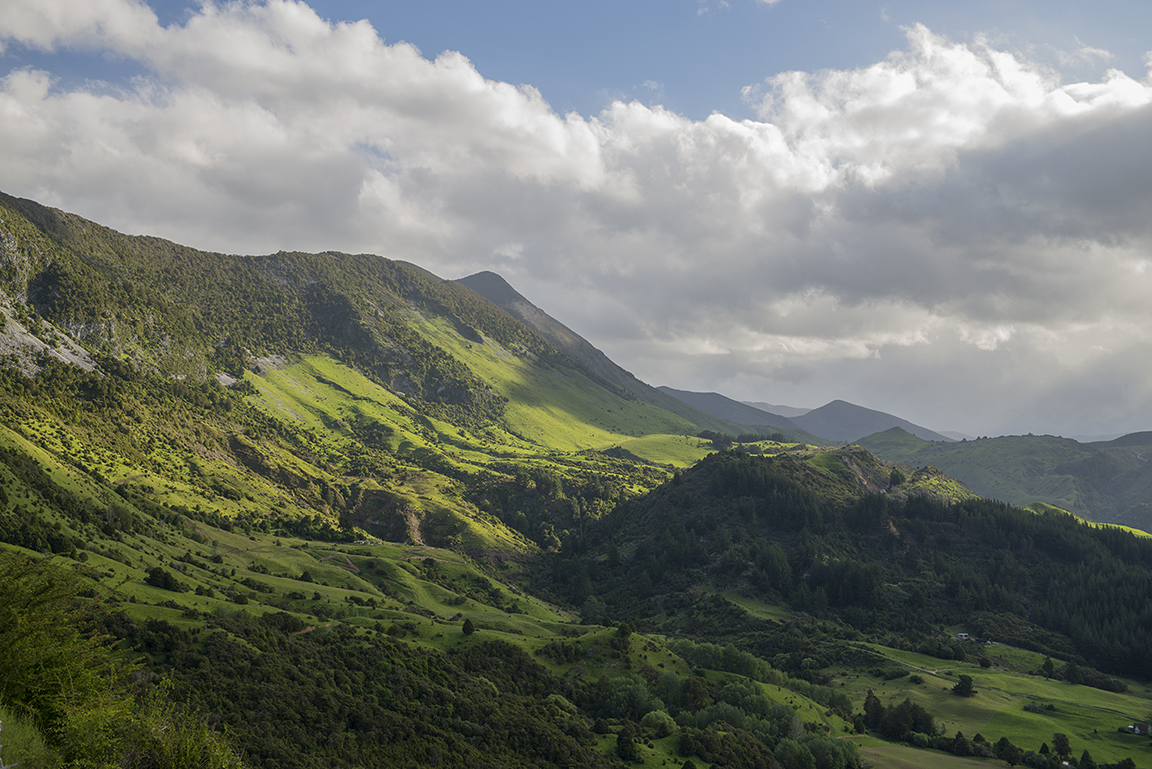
(659, 723)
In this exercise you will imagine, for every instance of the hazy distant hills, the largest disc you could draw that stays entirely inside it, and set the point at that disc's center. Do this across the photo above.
(1109, 482)
(1132, 439)
(836, 421)
(735, 411)
(843, 421)
(775, 408)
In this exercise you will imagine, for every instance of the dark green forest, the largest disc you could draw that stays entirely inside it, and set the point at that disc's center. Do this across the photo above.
(874, 563)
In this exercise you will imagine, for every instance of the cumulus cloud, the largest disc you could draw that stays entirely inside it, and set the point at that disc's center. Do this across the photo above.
(953, 233)
(48, 24)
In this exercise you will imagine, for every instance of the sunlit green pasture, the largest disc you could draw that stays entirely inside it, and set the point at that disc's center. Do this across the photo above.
(896, 757)
(678, 450)
(1090, 717)
(554, 406)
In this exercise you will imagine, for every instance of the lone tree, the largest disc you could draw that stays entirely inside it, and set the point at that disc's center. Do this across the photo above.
(469, 628)
(964, 688)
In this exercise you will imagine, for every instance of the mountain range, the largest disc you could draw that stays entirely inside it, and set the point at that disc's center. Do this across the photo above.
(1106, 481)
(835, 421)
(341, 512)
(734, 411)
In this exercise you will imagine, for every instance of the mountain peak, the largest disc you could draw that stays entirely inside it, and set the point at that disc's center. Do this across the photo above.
(840, 420)
(493, 287)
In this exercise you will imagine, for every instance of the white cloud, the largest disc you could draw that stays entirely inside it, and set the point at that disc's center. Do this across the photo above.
(1083, 54)
(704, 7)
(953, 220)
(47, 24)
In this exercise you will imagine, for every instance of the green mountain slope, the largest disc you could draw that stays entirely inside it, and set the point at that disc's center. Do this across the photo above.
(1106, 483)
(344, 513)
(591, 360)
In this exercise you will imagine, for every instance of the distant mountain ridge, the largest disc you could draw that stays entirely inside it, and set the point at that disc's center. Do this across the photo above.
(843, 421)
(776, 408)
(1131, 439)
(735, 411)
(836, 421)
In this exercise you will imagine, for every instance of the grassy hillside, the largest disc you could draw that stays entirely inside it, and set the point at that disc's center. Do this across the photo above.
(1090, 717)
(210, 606)
(359, 391)
(590, 360)
(190, 314)
(555, 406)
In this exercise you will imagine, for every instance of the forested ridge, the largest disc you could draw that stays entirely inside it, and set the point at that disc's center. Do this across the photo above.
(875, 562)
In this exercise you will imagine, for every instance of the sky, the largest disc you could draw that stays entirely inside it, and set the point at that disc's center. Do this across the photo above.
(938, 210)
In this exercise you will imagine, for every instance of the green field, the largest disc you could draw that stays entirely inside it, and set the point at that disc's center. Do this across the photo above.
(892, 757)
(1090, 717)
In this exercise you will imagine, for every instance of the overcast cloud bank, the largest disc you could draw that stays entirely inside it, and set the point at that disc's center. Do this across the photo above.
(952, 234)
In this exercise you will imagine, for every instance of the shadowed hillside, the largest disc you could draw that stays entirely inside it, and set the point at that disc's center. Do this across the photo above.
(714, 403)
(843, 421)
